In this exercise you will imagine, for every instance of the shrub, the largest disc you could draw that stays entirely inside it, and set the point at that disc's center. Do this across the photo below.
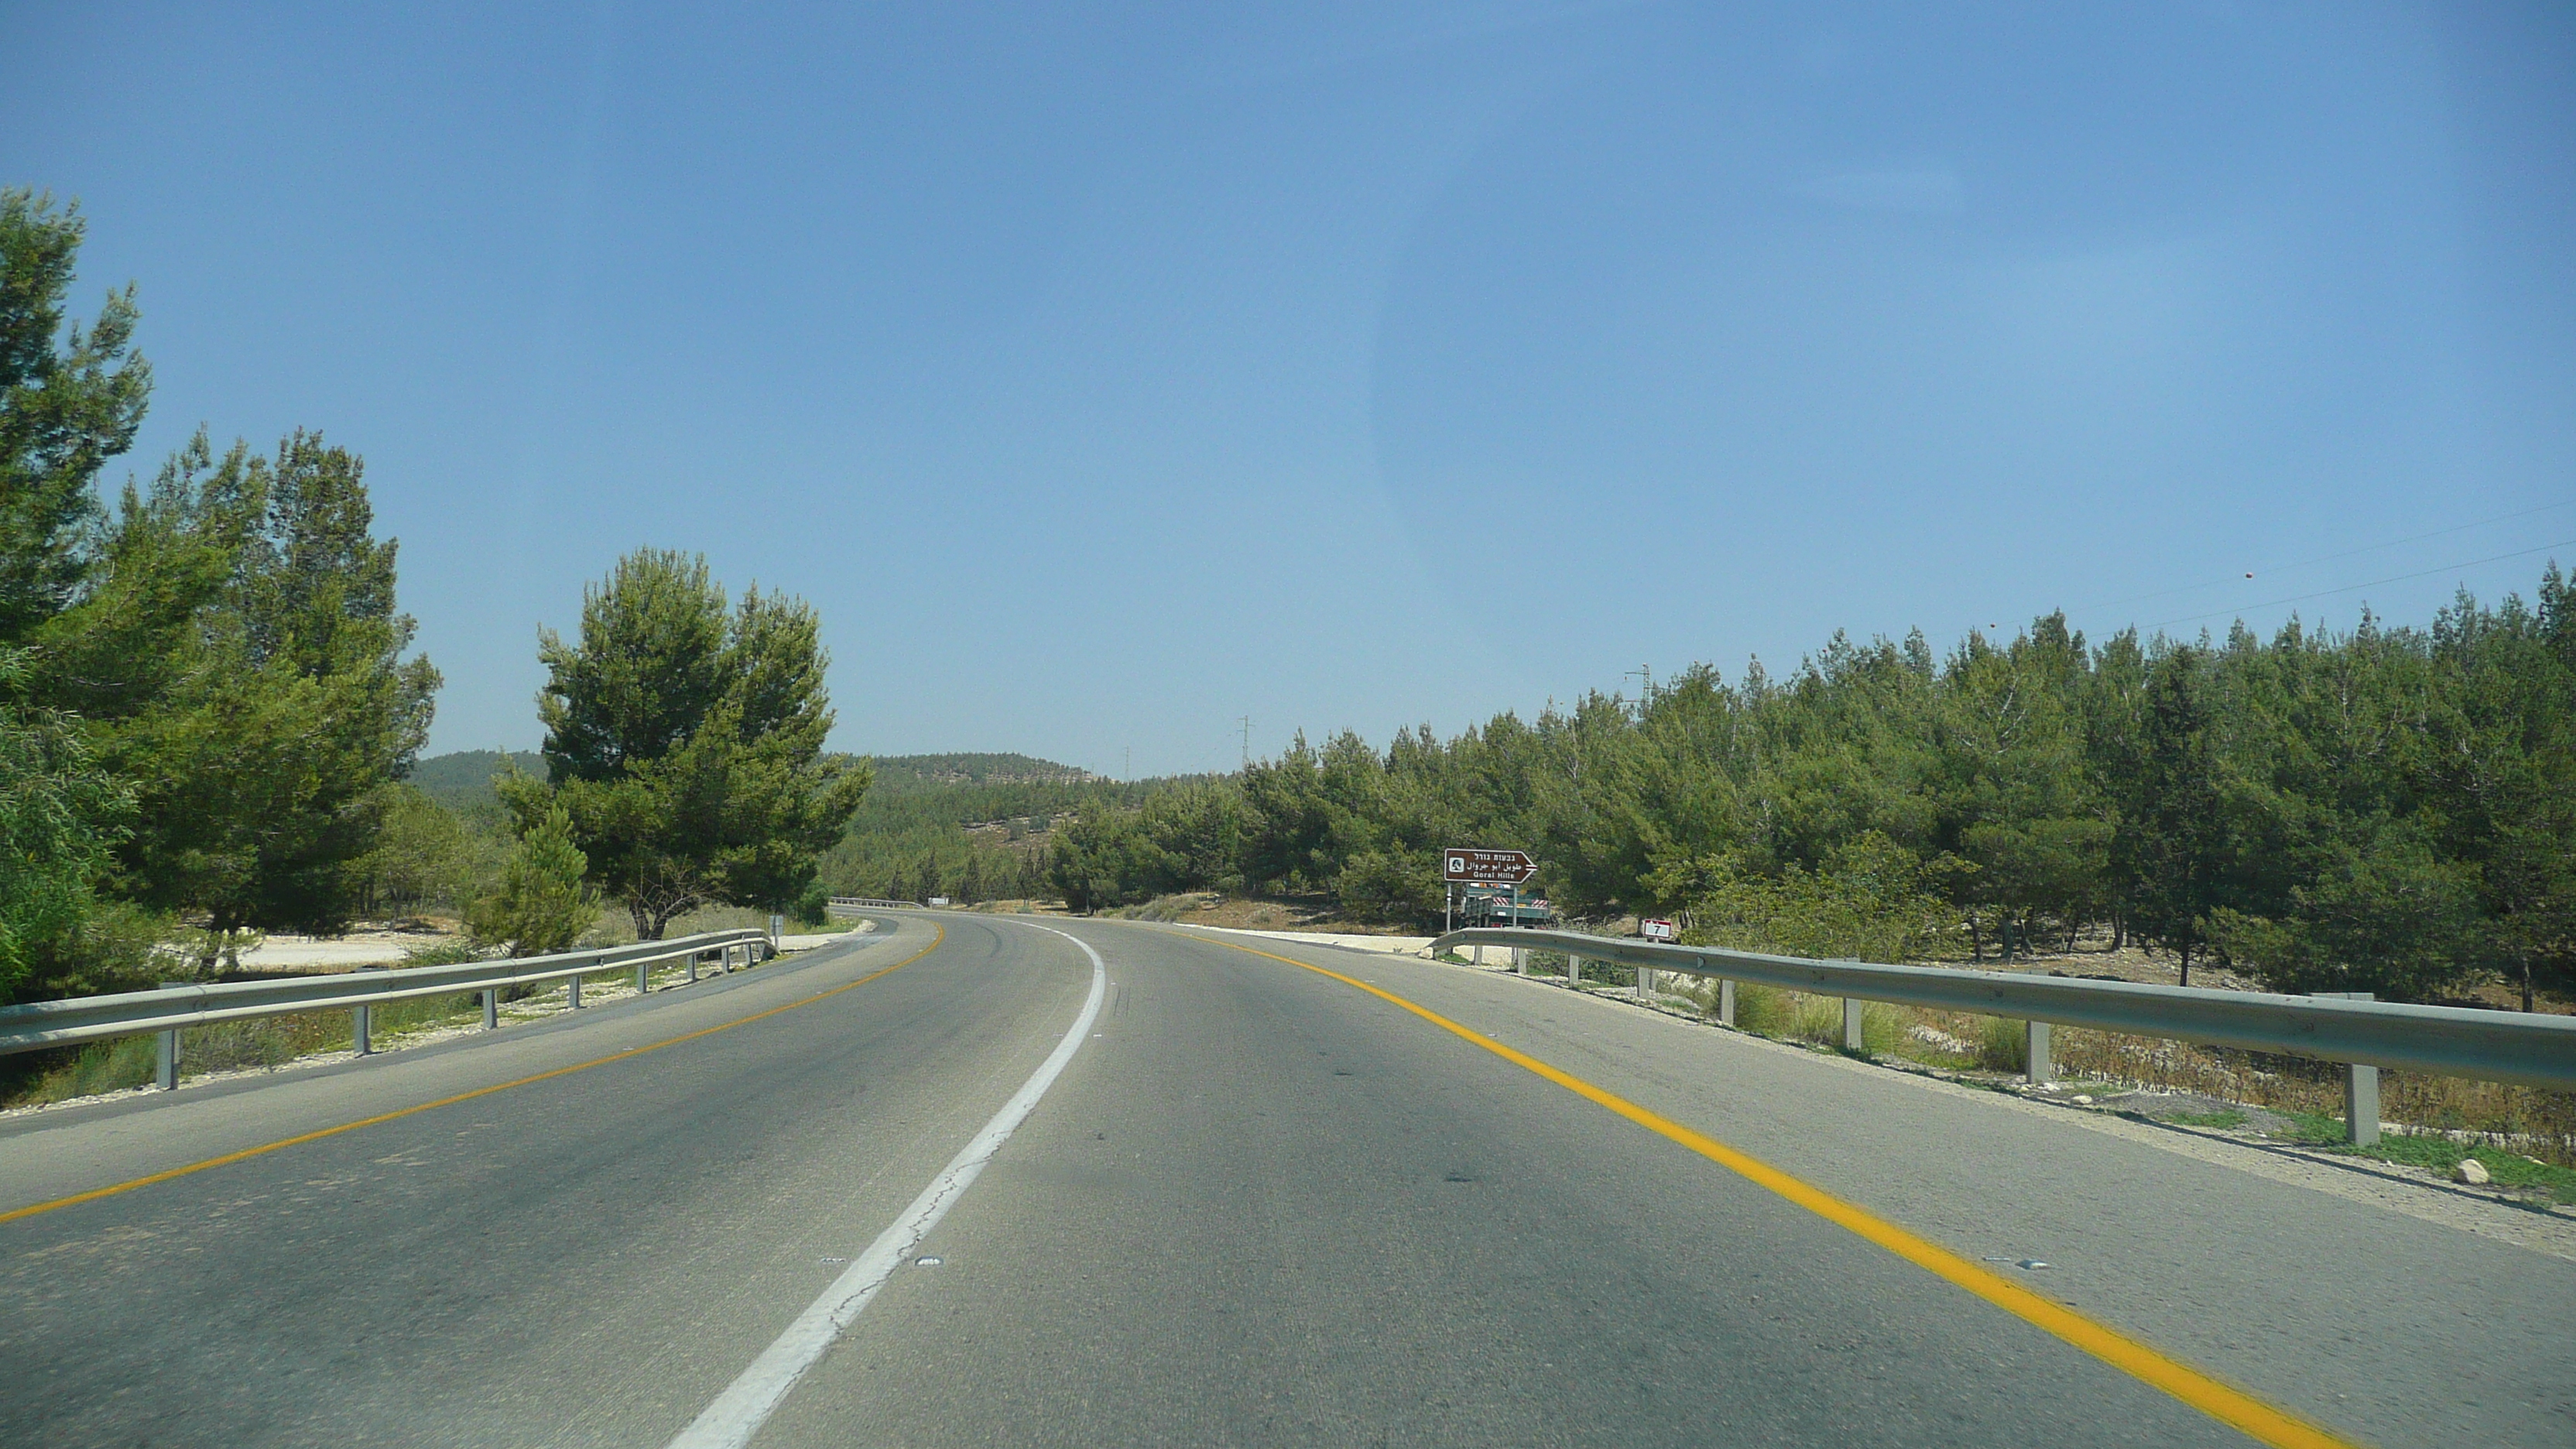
(540, 904)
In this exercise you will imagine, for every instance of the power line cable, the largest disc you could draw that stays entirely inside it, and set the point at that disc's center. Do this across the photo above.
(2374, 583)
(2328, 558)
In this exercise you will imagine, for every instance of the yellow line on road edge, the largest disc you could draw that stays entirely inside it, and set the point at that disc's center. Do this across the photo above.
(2232, 1407)
(250, 1152)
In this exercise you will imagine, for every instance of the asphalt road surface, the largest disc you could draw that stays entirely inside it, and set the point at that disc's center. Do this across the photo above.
(1258, 1205)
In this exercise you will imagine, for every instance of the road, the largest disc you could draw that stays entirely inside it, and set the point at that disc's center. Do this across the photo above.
(1259, 1205)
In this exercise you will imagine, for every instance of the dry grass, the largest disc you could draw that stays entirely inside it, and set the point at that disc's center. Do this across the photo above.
(274, 1041)
(271, 1041)
(616, 928)
(2523, 1119)
(1160, 908)
(2530, 1120)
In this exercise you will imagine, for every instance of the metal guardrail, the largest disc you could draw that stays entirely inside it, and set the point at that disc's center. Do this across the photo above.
(167, 1011)
(2363, 1035)
(862, 903)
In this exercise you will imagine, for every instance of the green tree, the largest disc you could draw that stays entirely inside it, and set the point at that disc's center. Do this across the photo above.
(2172, 843)
(1392, 887)
(423, 853)
(70, 399)
(277, 710)
(59, 814)
(686, 743)
(1107, 857)
(2502, 768)
(541, 903)
(2383, 915)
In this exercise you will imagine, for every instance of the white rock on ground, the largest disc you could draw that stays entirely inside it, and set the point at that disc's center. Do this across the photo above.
(2472, 1171)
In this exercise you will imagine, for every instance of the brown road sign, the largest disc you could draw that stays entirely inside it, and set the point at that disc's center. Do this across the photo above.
(1487, 867)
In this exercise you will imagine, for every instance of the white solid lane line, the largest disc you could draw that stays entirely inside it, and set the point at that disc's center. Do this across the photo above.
(747, 1403)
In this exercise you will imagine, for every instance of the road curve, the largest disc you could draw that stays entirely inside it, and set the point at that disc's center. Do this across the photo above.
(1259, 1205)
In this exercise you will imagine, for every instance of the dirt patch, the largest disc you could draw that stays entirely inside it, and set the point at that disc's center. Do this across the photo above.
(365, 943)
(1258, 913)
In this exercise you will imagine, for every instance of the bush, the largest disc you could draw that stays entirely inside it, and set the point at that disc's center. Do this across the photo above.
(1390, 888)
(1872, 900)
(540, 904)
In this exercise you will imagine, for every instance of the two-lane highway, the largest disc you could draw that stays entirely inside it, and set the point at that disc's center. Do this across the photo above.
(1260, 1204)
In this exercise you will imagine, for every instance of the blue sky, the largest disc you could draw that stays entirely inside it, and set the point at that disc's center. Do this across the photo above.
(1105, 374)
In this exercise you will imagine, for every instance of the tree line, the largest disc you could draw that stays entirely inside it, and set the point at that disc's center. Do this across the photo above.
(2390, 809)
(208, 698)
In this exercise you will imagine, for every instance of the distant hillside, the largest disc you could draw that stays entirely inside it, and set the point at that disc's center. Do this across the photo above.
(972, 827)
(897, 773)
(463, 781)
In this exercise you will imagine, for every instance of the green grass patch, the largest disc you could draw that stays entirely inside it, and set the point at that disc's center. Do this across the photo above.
(2312, 1129)
(2228, 1117)
(2443, 1155)
(102, 1066)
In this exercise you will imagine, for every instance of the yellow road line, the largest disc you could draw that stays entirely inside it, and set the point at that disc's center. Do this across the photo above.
(247, 1153)
(2230, 1406)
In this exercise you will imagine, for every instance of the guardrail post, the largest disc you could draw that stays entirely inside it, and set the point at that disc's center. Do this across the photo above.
(2038, 1071)
(165, 1071)
(1645, 983)
(362, 1019)
(1851, 1024)
(1726, 1002)
(2360, 1088)
(492, 1008)
(572, 993)
(1520, 960)
(1573, 971)
(2360, 1104)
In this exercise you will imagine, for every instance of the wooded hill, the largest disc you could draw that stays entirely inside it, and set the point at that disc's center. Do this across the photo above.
(910, 839)
(462, 780)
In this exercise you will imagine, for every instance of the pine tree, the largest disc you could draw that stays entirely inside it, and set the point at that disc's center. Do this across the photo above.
(686, 742)
(540, 904)
(2172, 845)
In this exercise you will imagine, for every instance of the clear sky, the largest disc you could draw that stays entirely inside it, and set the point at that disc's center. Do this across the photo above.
(1106, 374)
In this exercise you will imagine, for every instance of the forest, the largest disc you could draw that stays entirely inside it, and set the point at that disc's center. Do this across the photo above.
(2386, 809)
